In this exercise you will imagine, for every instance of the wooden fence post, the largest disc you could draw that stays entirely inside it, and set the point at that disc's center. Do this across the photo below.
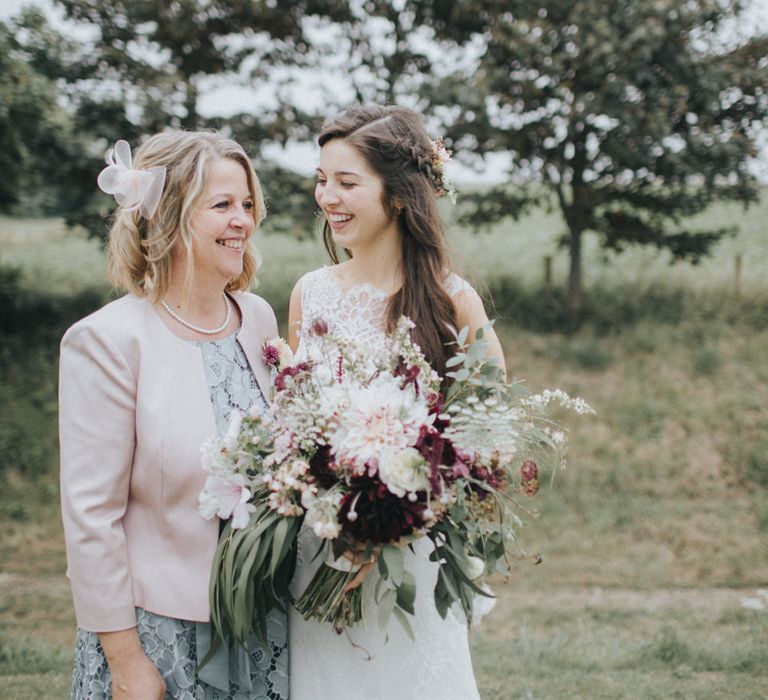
(547, 271)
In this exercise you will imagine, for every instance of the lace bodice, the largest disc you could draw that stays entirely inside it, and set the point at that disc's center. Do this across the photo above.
(357, 313)
(366, 665)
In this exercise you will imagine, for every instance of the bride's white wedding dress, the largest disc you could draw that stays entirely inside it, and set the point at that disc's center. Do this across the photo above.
(327, 666)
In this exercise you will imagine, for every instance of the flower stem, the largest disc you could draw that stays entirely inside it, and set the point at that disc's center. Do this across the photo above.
(326, 601)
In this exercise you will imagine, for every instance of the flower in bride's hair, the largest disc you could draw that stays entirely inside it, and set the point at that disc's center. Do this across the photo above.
(441, 154)
(132, 188)
(440, 157)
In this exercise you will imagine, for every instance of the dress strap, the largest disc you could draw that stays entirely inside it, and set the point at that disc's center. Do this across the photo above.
(454, 284)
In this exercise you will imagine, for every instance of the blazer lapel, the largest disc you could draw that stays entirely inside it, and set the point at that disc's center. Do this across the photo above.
(252, 336)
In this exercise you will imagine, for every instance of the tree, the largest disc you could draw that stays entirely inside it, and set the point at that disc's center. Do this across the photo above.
(33, 128)
(142, 67)
(629, 112)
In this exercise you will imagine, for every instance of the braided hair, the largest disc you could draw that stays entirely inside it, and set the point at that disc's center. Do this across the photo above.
(395, 145)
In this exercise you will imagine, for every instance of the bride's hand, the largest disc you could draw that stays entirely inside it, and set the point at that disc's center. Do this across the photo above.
(361, 575)
(366, 566)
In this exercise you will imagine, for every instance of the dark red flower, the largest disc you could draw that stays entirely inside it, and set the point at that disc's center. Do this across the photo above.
(438, 452)
(381, 517)
(319, 327)
(321, 467)
(410, 375)
(290, 371)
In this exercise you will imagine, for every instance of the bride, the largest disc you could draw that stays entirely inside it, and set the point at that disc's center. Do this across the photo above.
(377, 185)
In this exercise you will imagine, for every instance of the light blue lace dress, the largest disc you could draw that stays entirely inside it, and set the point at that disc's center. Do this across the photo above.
(174, 646)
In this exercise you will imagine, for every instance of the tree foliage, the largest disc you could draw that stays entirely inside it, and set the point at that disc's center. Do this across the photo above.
(33, 129)
(629, 112)
(139, 66)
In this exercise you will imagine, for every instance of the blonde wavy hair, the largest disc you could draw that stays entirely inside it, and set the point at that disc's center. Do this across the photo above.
(139, 252)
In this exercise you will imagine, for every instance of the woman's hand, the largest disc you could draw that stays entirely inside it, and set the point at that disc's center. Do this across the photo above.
(134, 676)
(365, 568)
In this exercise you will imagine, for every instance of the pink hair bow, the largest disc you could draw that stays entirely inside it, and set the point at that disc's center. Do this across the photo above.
(132, 189)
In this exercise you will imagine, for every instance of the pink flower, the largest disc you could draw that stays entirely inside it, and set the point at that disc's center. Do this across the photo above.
(461, 469)
(233, 498)
(270, 354)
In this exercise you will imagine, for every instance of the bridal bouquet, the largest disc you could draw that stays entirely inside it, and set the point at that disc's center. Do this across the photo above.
(371, 451)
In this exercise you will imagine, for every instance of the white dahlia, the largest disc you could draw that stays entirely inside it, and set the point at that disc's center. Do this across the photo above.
(378, 418)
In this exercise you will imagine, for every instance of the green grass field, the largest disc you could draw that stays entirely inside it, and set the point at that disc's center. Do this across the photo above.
(654, 540)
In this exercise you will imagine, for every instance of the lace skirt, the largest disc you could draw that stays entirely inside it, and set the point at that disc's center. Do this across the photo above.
(172, 646)
(366, 663)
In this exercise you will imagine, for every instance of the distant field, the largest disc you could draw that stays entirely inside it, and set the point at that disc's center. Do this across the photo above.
(56, 259)
(654, 581)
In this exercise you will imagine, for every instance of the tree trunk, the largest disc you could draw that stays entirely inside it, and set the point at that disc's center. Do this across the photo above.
(190, 120)
(574, 299)
(574, 220)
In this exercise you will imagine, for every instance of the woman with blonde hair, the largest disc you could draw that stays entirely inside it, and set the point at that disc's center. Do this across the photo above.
(144, 382)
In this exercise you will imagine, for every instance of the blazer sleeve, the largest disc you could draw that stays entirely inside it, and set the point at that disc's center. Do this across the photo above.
(97, 399)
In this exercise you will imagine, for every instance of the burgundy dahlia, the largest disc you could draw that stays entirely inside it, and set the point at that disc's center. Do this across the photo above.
(321, 467)
(379, 516)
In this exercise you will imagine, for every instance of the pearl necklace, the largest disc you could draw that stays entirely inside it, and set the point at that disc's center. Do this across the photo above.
(198, 329)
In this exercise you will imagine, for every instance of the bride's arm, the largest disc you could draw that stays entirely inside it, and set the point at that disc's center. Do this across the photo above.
(294, 317)
(470, 312)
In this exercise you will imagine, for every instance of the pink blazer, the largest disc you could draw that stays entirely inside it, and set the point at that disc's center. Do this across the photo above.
(134, 410)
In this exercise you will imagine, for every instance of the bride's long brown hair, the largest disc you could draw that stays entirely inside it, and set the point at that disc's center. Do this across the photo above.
(396, 146)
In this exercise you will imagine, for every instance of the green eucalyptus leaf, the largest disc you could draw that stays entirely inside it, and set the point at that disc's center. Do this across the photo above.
(406, 593)
(460, 376)
(386, 606)
(395, 563)
(404, 623)
(457, 359)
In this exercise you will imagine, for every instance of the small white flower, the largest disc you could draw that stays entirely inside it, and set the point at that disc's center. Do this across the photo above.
(286, 354)
(476, 567)
(404, 471)
(323, 516)
(208, 504)
(308, 497)
(233, 431)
